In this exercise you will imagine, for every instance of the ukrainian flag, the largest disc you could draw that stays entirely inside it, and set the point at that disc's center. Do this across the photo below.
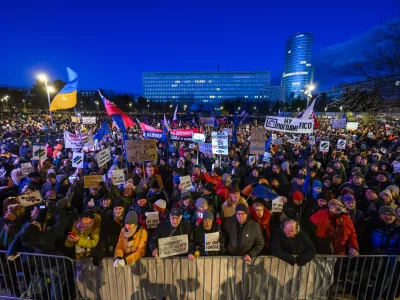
(66, 98)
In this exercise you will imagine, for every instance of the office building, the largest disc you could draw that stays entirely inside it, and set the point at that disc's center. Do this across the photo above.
(204, 86)
(298, 69)
(273, 93)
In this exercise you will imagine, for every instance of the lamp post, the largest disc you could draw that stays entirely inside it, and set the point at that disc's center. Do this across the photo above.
(43, 78)
(23, 100)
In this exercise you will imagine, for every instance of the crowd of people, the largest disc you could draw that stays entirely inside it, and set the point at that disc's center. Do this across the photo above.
(341, 202)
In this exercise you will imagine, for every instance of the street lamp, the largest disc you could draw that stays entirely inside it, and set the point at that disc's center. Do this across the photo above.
(184, 107)
(148, 108)
(298, 109)
(239, 108)
(308, 91)
(341, 108)
(42, 77)
(23, 100)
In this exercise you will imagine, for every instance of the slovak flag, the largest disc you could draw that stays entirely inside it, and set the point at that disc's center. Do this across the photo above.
(115, 113)
(175, 119)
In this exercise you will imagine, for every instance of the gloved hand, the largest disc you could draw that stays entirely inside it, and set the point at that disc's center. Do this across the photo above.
(115, 264)
(122, 262)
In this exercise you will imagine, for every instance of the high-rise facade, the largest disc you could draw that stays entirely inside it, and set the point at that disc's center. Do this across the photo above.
(298, 68)
(204, 86)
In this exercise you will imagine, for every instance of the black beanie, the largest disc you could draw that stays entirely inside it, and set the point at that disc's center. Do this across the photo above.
(242, 207)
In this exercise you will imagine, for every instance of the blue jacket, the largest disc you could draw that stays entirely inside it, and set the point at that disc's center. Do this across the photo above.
(385, 239)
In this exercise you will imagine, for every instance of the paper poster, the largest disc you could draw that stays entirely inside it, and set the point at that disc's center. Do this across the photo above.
(252, 160)
(198, 138)
(141, 150)
(352, 125)
(92, 181)
(30, 199)
(277, 204)
(118, 177)
(211, 241)
(88, 120)
(311, 140)
(75, 141)
(341, 144)
(77, 160)
(173, 245)
(186, 182)
(324, 146)
(296, 140)
(219, 143)
(103, 157)
(339, 124)
(257, 144)
(26, 168)
(277, 142)
(39, 152)
(152, 219)
(267, 157)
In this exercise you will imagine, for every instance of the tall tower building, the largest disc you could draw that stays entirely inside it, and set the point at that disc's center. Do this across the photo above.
(298, 69)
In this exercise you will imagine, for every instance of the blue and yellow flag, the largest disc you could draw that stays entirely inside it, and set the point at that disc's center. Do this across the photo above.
(66, 98)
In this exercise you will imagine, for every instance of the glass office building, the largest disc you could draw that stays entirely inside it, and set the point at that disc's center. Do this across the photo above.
(204, 86)
(298, 69)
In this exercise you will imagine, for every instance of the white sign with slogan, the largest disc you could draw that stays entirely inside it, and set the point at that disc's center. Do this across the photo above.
(173, 245)
(352, 125)
(118, 177)
(103, 157)
(88, 120)
(267, 157)
(152, 219)
(211, 241)
(186, 182)
(290, 125)
(219, 142)
(277, 204)
(26, 168)
(198, 138)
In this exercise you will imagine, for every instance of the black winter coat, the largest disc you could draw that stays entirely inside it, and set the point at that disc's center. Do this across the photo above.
(198, 241)
(165, 229)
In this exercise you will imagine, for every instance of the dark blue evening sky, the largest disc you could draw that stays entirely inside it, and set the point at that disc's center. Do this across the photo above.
(110, 43)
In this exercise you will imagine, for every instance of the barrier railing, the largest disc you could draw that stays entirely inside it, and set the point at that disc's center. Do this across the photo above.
(325, 277)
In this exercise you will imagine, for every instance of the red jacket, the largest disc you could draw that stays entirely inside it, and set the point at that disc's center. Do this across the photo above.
(222, 191)
(263, 222)
(209, 178)
(345, 232)
(49, 151)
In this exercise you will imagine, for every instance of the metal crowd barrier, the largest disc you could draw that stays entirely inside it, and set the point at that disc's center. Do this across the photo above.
(325, 277)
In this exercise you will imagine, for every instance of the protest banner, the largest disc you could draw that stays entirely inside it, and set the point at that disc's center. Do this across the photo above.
(267, 157)
(324, 146)
(103, 157)
(311, 140)
(198, 138)
(118, 177)
(141, 150)
(209, 122)
(186, 182)
(277, 204)
(341, 144)
(219, 142)
(338, 123)
(205, 148)
(257, 144)
(211, 241)
(77, 160)
(352, 125)
(252, 160)
(39, 152)
(396, 167)
(152, 219)
(30, 199)
(26, 168)
(92, 181)
(88, 120)
(75, 141)
(173, 245)
(183, 135)
(290, 125)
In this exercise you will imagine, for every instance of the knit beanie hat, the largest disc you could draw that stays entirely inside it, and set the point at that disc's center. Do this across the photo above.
(87, 214)
(317, 183)
(154, 184)
(209, 186)
(376, 189)
(347, 191)
(17, 209)
(218, 171)
(242, 207)
(51, 175)
(61, 178)
(393, 188)
(129, 185)
(234, 189)
(160, 205)
(348, 198)
(297, 196)
(200, 202)
(387, 210)
(141, 195)
(385, 192)
(208, 215)
(226, 177)
(131, 218)
(185, 194)
(324, 196)
(63, 203)
(118, 203)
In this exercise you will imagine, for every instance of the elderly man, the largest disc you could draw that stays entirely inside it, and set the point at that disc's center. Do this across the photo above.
(243, 236)
(145, 182)
(291, 244)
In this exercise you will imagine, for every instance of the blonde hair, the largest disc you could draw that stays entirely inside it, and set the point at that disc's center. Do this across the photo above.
(15, 177)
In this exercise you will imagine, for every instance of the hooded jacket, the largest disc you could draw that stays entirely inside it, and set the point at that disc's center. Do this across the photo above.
(139, 245)
(263, 222)
(222, 191)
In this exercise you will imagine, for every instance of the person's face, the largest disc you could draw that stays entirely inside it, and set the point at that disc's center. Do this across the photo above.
(197, 170)
(387, 199)
(317, 189)
(255, 173)
(383, 167)
(138, 171)
(128, 192)
(207, 224)
(235, 197)
(275, 183)
(335, 209)
(86, 220)
(374, 168)
(241, 217)
(322, 202)
(51, 180)
(350, 205)
(150, 171)
(388, 218)
(259, 211)
(93, 191)
(179, 164)
(364, 161)
(299, 181)
(186, 202)
(203, 208)
(297, 202)
(234, 164)
(9, 215)
(290, 229)
(370, 194)
(175, 221)
(337, 165)
(118, 211)
(206, 192)
(106, 203)
(336, 180)
(130, 227)
(381, 177)
(357, 180)
(142, 202)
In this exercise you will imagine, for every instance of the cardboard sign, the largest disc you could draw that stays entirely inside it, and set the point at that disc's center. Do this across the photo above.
(277, 205)
(77, 160)
(205, 148)
(339, 124)
(396, 167)
(211, 241)
(118, 177)
(92, 181)
(311, 140)
(352, 125)
(39, 152)
(173, 245)
(74, 119)
(152, 219)
(341, 144)
(267, 157)
(257, 144)
(88, 120)
(219, 143)
(30, 199)
(103, 157)
(198, 138)
(290, 125)
(26, 168)
(186, 182)
(324, 146)
(141, 150)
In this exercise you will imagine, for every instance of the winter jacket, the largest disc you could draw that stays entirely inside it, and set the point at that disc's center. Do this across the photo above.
(8, 231)
(139, 245)
(142, 210)
(382, 185)
(242, 239)
(149, 180)
(109, 234)
(189, 213)
(47, 187)
(161, 194)
(209, 178)
(385, 239)
(359, 190)
(263, 222)
(229, 211)
(296, 250)
(199, 240)
(222, 191)
(166, 230)
(57, 148)
(214, 204)
(340, 236)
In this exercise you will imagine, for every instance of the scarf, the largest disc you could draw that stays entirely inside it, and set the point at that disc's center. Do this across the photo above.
(83, 226)
(129, 240)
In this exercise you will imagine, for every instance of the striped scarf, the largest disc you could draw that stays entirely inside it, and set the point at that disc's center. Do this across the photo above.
(129, 240)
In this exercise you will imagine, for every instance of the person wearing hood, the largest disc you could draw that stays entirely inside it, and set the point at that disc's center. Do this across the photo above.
(187, 207)
(11, 223)
(387, 198)
(261, 215)
(382, 180)
(291, 244)
(315, 190)
(93, 198)
(132, 242)
(229, 206)
(222, 187)
(394, 190)
(206, 226)
(176, 193)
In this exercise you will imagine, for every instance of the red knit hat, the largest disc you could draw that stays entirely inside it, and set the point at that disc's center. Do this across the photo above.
(297, 196)
(160, 205)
